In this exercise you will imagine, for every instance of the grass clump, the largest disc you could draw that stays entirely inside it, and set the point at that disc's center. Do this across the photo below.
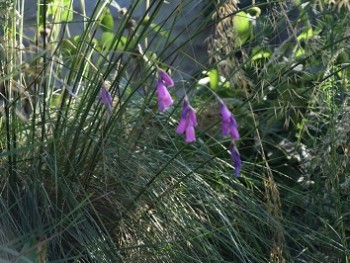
(93, 168)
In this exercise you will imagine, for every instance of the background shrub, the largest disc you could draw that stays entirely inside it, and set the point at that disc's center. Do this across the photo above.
(93, 171)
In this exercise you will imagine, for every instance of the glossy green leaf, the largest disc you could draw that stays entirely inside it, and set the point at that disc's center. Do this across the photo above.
(156, 28)
(214, 79)
(258, 53)
(67, 15)
(306, 34)
(299, 52)
(65, 9)
(254, 11)
(108, 41)
(107, 23)
(242, 27)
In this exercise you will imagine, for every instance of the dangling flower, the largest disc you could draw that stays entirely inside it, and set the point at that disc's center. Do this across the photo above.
(236, 159)
(164, 98)
(187, 122)
(106, 99)
(229, 127)
(165, 78)
(229, 124)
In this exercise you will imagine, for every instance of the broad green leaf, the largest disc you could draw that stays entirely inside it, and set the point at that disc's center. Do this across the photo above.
(214, 79)
(107, 23)
(254, 11)
(108, 41)
(306, 34)
(299, 52)
(62, 8)
(258, 53)
(156, 28)
(242, 27)
(67, 14)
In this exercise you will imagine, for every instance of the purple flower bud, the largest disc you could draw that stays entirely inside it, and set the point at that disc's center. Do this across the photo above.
(164, 98)
(187, 122)
(106, 98)
(181, 128)
(236, 159)
(190, 134)
(184, 109)
(225, 113)
(233, 128)
(165, 78)
(225, 128)
(192, 116)
(229, 124)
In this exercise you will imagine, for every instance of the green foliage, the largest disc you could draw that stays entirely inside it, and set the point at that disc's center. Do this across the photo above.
(242, 26)
(60, 10)
(107, 22)
(83, 183)
(214, 79)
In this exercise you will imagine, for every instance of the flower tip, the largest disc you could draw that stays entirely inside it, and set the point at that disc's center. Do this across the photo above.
(187, 122)
(166, 78)
(225, 112)
(106, 98)
(190, 134)
(181, 128)
(164, 98)
(229, 124)
(192, 116)
(165, 103)
(233, 129)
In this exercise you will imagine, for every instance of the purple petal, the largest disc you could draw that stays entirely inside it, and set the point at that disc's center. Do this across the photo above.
(192, 116)
(184, 109)
(165, 78)
(225, 128)
(233, 120)
(165, 102)
(161, 89)
(233, 128)
(106, 98)
(190, 134)
(225, 113)
(229, 124)
(182, 126)
(164, 98)
(236, 159)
